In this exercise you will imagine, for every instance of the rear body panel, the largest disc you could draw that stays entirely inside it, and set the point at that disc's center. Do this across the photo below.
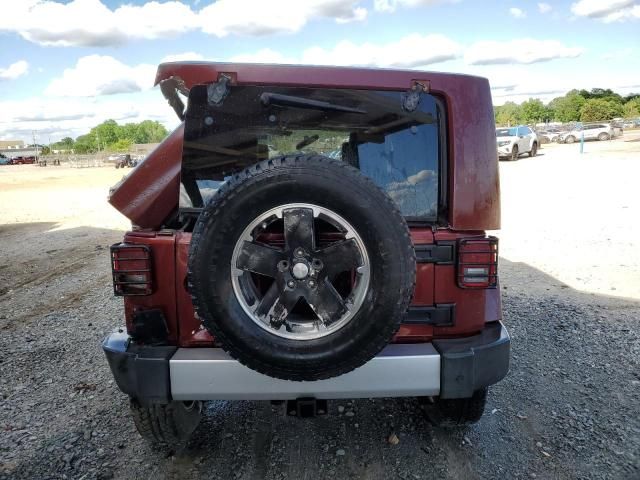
(435, 285)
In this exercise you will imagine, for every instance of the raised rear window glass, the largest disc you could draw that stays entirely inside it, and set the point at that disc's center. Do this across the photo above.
(399, 150)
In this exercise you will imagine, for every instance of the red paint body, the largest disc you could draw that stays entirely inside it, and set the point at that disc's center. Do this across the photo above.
(22, 161)
(150, 193)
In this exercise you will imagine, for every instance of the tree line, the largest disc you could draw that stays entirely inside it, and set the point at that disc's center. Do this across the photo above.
(110, 136)
(598, 104)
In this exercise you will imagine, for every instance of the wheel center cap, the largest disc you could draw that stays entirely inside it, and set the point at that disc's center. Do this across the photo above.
(300, 270)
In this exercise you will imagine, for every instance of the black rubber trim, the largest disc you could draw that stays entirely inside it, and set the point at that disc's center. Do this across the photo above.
(441, 253)
(140, 371)
(442, 315)
(471, 363)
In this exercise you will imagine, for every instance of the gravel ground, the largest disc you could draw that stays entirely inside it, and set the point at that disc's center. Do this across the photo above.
(570, 407)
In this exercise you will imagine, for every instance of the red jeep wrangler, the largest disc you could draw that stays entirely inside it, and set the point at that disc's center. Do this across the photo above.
(311, 233)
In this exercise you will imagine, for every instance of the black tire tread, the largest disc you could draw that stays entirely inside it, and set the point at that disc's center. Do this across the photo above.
(457, 412)
(234, 187)
(163, 426)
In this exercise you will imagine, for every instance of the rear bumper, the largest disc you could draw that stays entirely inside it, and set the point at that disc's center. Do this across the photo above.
(452, 368)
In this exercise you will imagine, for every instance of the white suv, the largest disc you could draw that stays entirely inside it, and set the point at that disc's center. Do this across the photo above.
(513, 141)
(597, 131)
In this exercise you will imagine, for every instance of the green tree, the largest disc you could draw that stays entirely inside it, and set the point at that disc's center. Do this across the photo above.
(567, 108)
(150, 131)
(533, 111)
(67, 142)
(508, 114)
(85, 144)
(107, 133)
(122, 145)
(596, 109)
(602, 93)
(130, 132)
(631, 109)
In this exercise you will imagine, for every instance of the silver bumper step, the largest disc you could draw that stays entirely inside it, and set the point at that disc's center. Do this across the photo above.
(401, 370)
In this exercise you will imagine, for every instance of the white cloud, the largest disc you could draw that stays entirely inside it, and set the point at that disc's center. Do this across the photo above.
(258, 17)
(92, 23)
(517, 12)
(58, 118)
(15, 70)
(544, 7)
(96, 75)
(392, 5)
(182, 57)
(265, 55)
(359, 14)
(525, 51)
(519, 83)
(632, 13)
(607, 10)
(411, 51)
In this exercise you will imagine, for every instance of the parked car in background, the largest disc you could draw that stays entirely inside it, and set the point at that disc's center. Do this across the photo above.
(548, 136)
(4, 160)
(125, 160)
(596, 131)
(22, 161)
(618, 129)
(514, 141)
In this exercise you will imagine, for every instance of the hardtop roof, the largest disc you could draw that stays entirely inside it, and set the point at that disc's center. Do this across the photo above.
(197, 72)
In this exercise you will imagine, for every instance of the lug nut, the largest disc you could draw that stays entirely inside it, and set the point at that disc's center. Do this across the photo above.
(299, 252)
(312, 283)
(291, 284)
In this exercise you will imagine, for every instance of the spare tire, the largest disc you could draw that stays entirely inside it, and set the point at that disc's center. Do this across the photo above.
(301, 267)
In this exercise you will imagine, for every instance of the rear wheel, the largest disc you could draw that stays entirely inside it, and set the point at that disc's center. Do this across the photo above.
(455, 412)
(604, 136)
(295, 273)
(570, 139)
(168, 426)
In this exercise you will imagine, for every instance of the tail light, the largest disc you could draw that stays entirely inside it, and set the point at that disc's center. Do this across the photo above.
(131, 268)
(478, 262)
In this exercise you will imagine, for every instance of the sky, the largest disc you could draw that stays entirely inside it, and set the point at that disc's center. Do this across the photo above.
(67, 65)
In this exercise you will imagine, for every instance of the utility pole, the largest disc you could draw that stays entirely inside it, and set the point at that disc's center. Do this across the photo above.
(33, 136)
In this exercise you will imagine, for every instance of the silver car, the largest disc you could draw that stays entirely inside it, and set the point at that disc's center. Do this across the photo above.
(596, 131)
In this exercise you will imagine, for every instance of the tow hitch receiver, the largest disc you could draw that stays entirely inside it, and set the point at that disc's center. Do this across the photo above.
(306, 407)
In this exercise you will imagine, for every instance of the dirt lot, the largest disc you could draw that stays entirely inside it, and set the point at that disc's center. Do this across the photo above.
(570, 407)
